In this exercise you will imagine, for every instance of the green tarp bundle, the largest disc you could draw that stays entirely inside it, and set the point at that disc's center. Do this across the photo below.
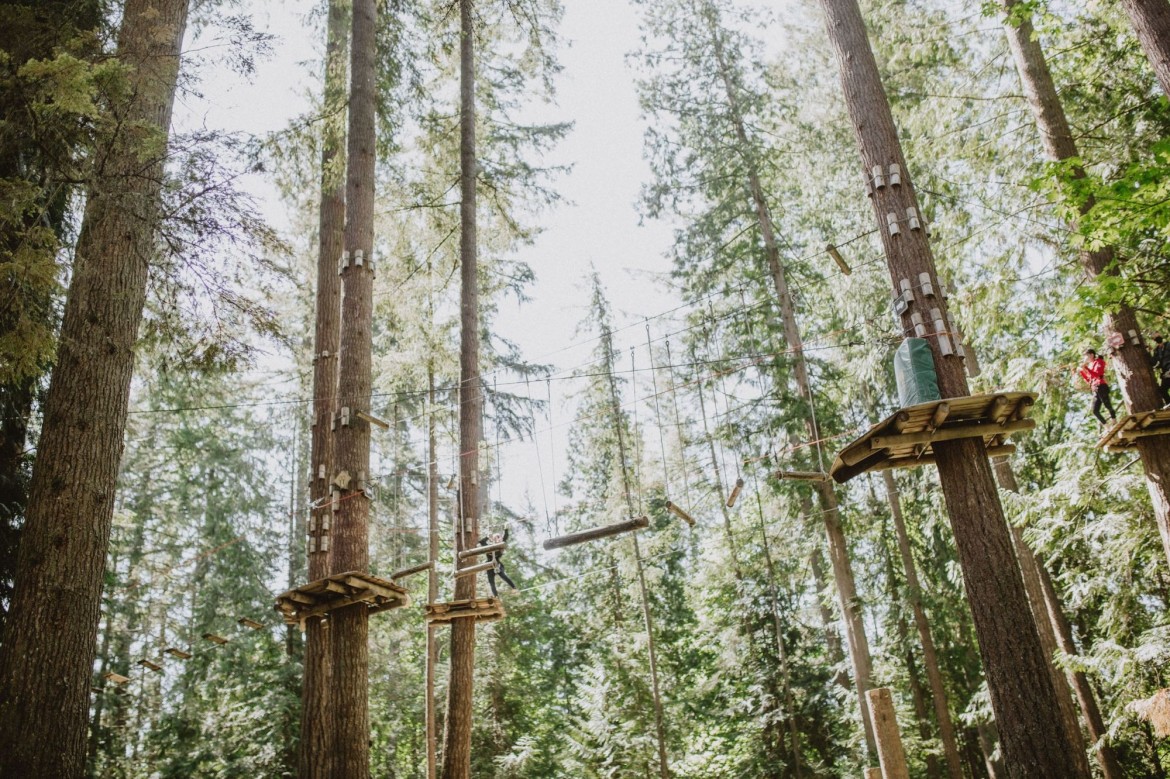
(914, 373)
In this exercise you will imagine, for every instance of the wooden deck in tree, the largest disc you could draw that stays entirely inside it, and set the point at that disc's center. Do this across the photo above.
(904, 439)
(317, 599)
(480, 609)
(1128, 430)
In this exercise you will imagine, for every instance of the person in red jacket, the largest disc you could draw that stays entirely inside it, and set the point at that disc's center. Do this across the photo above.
(1093, 372)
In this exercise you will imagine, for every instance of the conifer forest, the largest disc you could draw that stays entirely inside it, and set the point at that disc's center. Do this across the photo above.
(585, 389)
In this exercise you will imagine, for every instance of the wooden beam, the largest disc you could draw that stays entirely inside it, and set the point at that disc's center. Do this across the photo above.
(837, 258)
(337, 587)
(1131, 435)
(939, 416)
(324, 608)
(901, 420)
(373, 420)
(928, 459)
(1023, 407)
(359, 583)
(298, 597)
(998, 410)
(974, 430)
(856, 452)
(593, 534)
(490, 548)
(411, 571)
(116, 678)
(474, 569)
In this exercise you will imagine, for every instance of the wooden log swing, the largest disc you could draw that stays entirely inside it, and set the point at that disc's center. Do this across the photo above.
(904, 439)
(679, 512)
(412, 570)
(339, 591)
(175, 652)
(593, 534)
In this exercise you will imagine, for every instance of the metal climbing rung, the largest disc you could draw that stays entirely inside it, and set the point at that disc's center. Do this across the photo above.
(572, 539)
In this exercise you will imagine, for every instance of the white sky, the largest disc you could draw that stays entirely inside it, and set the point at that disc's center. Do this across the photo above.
(598, 223)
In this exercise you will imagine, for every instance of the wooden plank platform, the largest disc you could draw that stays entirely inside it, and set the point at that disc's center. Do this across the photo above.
(480, 609)
(317, 599)
(904, 439)
(1124, 434)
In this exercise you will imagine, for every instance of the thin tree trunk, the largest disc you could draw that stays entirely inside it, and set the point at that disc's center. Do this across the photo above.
(1049, 610)
(1151, 22)
(942, 712)
(432, 659)
(317, 728)
(47, 657)
(349, 546)
(838, 548)
(1022, 696)
(816, 564)
(1131, 362)
(457, 748)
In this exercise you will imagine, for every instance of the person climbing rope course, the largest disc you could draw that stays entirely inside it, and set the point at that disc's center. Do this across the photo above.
(1092, 370)
(494, 557)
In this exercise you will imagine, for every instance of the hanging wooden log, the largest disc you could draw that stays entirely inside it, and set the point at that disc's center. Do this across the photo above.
(837, 258)
(216, 639)
(675, 509)
(412, 570)
(150, 665)
(250, 623)
(474, 569)
(373, 420)
(174, 651)
(572, 539)
(489, 549)
(802, 475)
(479, 609)
(734, 496)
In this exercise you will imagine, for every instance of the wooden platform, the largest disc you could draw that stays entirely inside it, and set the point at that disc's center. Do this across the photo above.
(1126, 431)
(904, 439)
(317, 599)
(480, 609)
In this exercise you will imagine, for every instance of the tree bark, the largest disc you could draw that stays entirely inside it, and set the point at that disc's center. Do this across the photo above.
(1022, 697)
(942, 711)
(316, 752)
(349, 545)
(457, 746)
(1049, 611)
(1151, 22)
(47, 657)
(1131, 362)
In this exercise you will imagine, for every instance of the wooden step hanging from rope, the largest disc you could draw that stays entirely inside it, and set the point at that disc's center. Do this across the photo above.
(116, 678)
(593, 534)
(675, 509)
(480, 550)
(339, 591)
(411, 571)
(150, 665)
(1129, 429)
(905, 438)
(479, 609)
(216, 639)
(734, 496)
(174, 651)
(249, 623)
(802, 475)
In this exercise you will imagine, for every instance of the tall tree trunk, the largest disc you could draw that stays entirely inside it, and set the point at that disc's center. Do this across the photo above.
(47, 657)
(316, 752)
(1050, 612)
(1022, 697)
(834, 533)
(1131, 362)
(432, 659)
(457, 747)
(1151, 22)
(942, 712)
(349, 546)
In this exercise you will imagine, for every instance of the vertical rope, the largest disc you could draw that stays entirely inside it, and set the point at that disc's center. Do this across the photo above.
(657, 412)
(539, 459)
(636, 433)
(682, 443)
(552, 456)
